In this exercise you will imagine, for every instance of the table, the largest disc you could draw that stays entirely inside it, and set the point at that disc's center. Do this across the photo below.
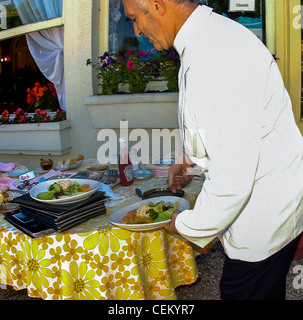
(96, 260)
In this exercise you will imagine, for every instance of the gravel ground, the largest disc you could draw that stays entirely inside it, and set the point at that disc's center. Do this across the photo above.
(205, 288)
(210, 269)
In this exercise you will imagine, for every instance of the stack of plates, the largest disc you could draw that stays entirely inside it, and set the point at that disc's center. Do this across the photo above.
(66, 213)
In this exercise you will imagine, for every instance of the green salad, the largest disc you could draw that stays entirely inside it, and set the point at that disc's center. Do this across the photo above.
(63, 189)
(150, 212)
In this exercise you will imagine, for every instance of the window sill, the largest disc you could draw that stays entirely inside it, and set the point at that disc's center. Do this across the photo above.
(146, 110)
(36, 138)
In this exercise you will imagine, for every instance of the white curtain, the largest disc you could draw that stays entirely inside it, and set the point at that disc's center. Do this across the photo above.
(46, 46)
(115, 16)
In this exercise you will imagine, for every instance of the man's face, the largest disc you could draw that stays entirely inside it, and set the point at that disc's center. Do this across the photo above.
(147, 24)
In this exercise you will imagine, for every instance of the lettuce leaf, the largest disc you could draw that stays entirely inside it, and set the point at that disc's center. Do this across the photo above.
(165, 215)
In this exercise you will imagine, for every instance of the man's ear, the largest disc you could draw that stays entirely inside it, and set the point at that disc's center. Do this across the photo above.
(158, 6)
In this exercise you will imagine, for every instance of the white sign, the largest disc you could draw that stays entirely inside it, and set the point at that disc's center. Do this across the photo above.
(242, 5)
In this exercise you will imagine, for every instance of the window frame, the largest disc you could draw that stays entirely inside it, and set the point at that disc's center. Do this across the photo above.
(104, 26)
(32, 27)
(288, 53)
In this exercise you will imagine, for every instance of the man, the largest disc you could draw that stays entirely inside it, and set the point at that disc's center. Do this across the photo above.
(237, 124)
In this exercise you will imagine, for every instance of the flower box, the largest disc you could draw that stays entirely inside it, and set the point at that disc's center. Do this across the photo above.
(31, 115)
(36, 138)
(146, 110)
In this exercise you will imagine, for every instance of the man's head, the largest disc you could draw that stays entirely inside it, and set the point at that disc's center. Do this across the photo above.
(159, 20)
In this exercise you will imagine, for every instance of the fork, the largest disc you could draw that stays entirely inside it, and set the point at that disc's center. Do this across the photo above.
(112, 176)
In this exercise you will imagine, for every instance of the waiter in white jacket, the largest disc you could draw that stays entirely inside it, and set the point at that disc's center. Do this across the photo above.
(237, 124)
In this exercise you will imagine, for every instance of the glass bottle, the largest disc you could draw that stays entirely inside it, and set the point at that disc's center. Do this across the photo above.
(125, 166)
(134, 160)
(46, 163)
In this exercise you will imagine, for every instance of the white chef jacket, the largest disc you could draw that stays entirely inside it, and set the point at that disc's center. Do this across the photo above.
(234, 105)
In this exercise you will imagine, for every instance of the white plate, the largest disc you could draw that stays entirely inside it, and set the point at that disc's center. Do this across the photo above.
(116, 217)
(143, 174)
(43, 187)
(69, 166)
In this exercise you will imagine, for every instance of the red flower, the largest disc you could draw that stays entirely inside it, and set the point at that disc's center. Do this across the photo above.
(52, 90)
(30, 98)
(5, 113)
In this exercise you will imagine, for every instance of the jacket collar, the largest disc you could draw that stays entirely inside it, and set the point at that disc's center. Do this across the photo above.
(183, 37)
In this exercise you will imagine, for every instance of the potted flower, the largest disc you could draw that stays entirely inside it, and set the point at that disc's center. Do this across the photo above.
(41, 116)
(36, 133)
(134, 68)
(136, 71)
(109, 70)
(42, 97)
(60, 115)
(4, 119)
(169, 68)
(21, 116)
(148, 108)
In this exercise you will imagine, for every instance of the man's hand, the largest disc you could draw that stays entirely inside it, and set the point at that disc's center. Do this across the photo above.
(178, 177)
(171, 225)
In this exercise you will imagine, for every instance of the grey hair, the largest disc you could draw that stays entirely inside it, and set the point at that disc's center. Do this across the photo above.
(142, 4)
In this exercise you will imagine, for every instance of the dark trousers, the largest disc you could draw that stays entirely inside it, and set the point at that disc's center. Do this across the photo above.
(262, 280)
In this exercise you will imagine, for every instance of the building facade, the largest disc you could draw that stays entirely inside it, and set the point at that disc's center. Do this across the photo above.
(91, 27)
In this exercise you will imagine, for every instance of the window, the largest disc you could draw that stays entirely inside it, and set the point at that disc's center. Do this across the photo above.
(253, 20)
(9, 15)
(121, 32)
(122, 37)
(18, 71)
(16, 13)
(31, 49)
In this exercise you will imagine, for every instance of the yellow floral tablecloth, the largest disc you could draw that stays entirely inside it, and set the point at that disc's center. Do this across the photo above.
(96, 260)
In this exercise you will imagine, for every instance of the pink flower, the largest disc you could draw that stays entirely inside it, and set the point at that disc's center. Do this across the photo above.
(41, 112)
(18, 111)
(130, 64)
(130, 51)
(141, 54)
(23, 118)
